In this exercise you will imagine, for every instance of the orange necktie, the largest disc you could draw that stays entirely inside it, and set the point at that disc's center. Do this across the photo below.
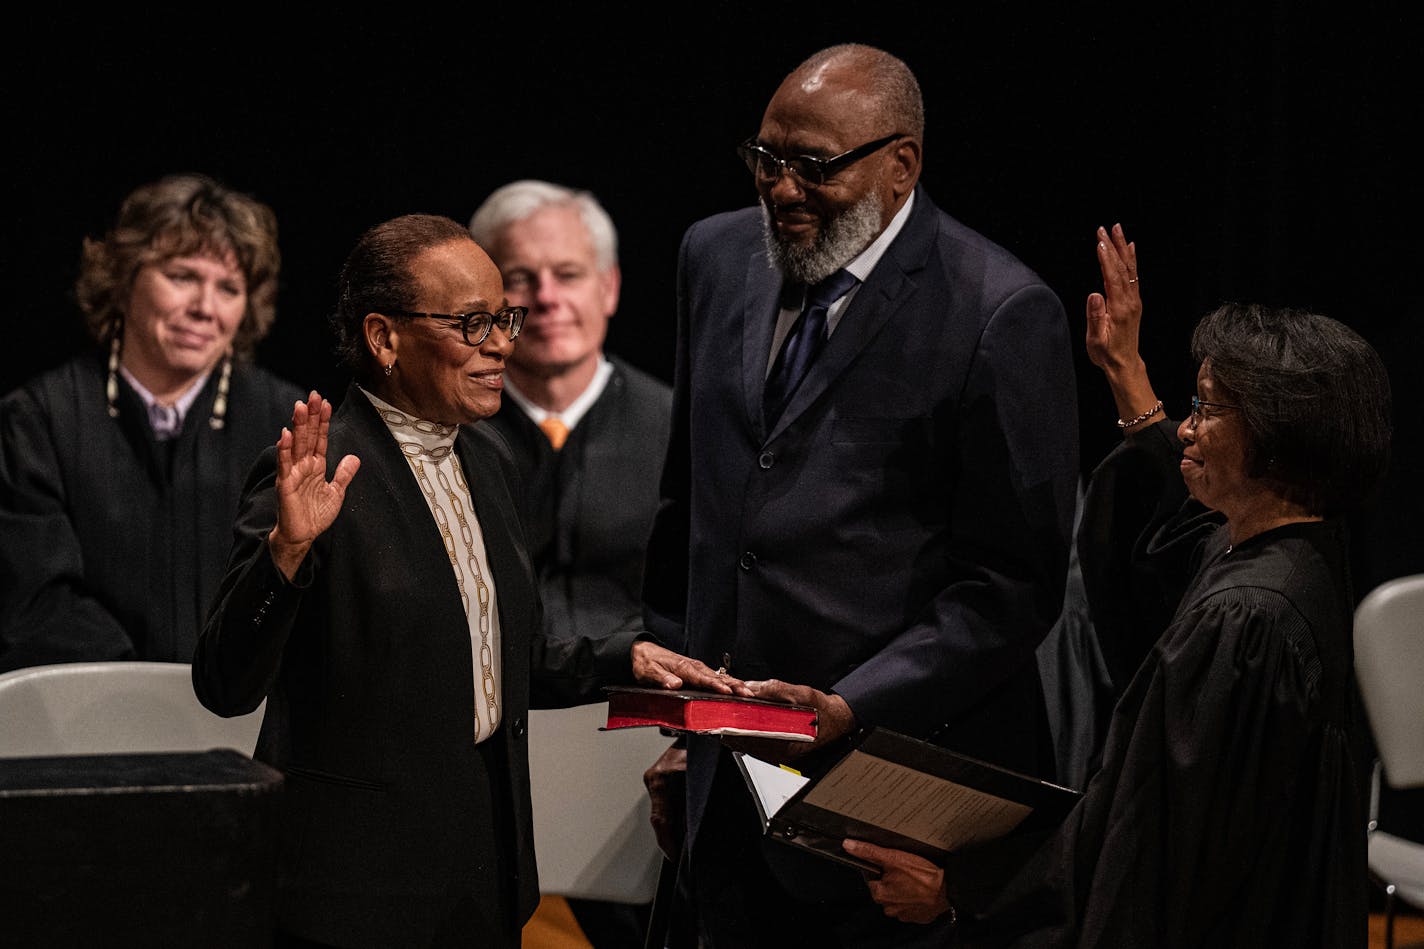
(556, 430)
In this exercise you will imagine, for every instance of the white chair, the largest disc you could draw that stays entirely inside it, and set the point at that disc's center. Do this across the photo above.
(92, 835)
(592, 836)
(591, 829)
(88, 708)
(1389, 665)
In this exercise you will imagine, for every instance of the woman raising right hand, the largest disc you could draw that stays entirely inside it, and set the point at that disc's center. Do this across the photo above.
(1227, 810)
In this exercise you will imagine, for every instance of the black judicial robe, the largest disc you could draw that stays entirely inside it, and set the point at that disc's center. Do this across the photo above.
(112, 544)
(1228, 808)
(588, 508)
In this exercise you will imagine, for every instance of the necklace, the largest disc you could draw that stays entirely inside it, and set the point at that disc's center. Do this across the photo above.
(482, 590)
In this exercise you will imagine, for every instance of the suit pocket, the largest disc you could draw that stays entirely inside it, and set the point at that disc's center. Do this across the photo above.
(342, 780)
(336, 841)
(914, 433)
(890, 466)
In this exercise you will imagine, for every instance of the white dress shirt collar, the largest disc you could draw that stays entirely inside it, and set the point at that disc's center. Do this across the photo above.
(577, 409)
(165, 420)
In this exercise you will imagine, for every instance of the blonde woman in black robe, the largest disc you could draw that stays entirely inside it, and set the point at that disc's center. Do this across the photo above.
(120, 469)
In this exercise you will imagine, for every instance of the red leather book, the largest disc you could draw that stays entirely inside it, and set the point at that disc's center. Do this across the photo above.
(695, 711)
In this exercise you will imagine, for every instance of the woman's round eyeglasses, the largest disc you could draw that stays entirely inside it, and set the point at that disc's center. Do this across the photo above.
(476, 326)
(1197, 410)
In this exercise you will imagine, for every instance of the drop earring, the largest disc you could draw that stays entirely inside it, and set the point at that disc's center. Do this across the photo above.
(219, 416)
(111, 387)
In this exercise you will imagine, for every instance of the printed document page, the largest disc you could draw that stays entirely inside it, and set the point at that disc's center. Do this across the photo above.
(912, 803)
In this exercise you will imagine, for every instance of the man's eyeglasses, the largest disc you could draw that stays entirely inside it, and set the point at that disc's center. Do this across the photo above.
(809, 170)
(476, 326)
(1197, 410)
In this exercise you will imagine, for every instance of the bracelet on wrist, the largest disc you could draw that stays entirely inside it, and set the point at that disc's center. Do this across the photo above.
(1129, 422)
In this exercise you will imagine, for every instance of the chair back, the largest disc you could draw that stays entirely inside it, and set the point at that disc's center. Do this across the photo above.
(116, 706)
(1389, 666)
(592, 834)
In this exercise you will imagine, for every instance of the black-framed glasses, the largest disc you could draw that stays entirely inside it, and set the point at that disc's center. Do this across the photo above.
(1197, 413)
(476, 326)
(808, 169)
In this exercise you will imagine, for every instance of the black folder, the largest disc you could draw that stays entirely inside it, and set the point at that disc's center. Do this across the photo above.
(897, 791)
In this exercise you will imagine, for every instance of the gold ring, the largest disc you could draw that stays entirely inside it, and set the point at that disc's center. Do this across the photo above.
(1131, 279)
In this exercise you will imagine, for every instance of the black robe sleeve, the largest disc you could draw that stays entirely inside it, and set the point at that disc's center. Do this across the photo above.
(1137, 542)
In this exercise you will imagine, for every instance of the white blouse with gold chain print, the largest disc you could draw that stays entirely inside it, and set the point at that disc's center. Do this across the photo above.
(429, 448)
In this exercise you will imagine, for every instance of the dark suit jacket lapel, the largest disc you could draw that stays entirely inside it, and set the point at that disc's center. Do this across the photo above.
(421, 550)
(889, 289)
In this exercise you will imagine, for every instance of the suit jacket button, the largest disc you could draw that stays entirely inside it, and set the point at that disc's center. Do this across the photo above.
(748, 560)
(518, 727)
(766, 460)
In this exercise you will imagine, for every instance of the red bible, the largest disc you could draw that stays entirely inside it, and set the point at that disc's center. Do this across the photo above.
(698, 712)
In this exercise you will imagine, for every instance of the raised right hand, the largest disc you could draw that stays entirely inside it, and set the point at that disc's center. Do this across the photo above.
(1114, 322)
(307, 504)
(1115, 315)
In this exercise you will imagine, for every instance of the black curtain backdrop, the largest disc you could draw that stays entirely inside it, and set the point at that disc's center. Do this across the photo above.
(1264, 153)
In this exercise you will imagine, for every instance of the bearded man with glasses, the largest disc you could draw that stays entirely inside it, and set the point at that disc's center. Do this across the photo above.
(868, 499)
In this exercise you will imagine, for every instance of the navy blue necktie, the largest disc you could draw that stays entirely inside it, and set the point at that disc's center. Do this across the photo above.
(803, 343)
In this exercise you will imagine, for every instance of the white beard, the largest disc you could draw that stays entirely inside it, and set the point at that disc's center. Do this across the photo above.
(845, 236)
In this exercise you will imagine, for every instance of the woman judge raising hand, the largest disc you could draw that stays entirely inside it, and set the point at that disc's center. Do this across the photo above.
(1227, 809)
(389, 616)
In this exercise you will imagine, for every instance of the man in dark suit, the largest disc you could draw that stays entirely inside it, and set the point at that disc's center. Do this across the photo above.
(588, 431)
(885, 536)
(391, 620)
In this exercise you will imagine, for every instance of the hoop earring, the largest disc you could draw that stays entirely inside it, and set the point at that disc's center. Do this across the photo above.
(111, 387)
(219, 416)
